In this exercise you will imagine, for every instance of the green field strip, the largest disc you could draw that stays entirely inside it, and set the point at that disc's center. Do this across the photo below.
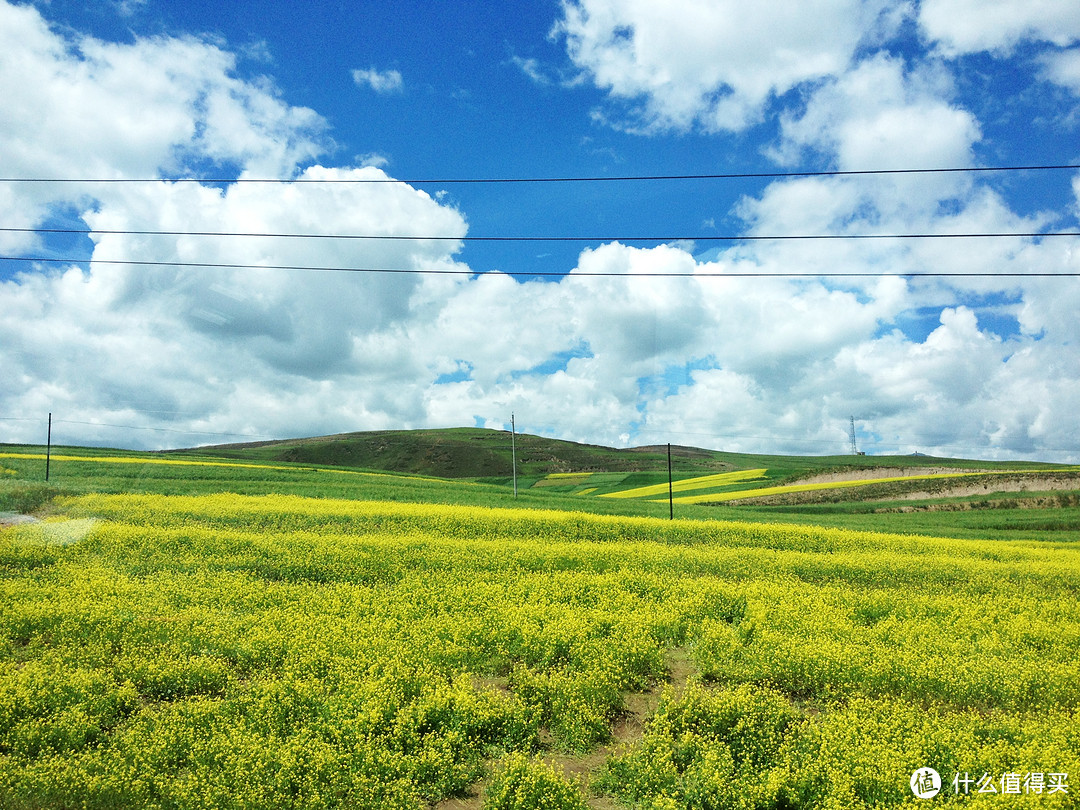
(176, 462)
(563, 480)
(790, 488)
(138, 460)
(686, 484)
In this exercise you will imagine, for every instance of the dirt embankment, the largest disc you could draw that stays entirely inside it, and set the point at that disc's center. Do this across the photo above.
(872, 473)
(973, 484)
(1009, 483)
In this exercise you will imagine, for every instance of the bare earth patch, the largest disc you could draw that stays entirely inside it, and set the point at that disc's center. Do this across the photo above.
(871, 473)
(972, 484)
(625, 731)
(8, 519)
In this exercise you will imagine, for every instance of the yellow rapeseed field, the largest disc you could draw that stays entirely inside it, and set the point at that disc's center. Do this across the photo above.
(278, 651)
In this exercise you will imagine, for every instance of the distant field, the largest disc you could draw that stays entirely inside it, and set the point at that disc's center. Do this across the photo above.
(747, 493)
(785, 489)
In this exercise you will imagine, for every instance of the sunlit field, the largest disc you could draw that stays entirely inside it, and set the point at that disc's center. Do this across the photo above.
(218, 649)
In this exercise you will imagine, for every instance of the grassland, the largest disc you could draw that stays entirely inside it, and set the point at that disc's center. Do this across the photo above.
(184, 630)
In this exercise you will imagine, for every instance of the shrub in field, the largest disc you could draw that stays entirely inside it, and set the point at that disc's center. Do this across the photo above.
(862, 753)
(576, 707)
(523, 783)
(707, 748)
(22, 496)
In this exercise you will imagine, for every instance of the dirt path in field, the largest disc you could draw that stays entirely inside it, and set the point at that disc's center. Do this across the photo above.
(8, 519)
(626, 731)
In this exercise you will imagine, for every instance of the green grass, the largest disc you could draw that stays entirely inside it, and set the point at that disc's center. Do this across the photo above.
(482, 453)
(461, 453)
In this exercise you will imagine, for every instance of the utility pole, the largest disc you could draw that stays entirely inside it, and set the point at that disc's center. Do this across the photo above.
(670, 499)
(48, 449)
(513, 449)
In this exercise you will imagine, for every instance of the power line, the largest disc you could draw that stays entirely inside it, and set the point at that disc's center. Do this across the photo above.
(466, 238)
(531, 274)
(564, 179)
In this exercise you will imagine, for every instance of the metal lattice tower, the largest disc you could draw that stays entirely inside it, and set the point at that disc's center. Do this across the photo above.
(854, 447)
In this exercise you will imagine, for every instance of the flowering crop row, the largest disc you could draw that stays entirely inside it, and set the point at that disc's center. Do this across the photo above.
(222, 650)
(146, 460)
(687, 484)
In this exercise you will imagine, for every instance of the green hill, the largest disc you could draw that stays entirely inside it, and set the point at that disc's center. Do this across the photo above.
(483, 453)
(469, 453)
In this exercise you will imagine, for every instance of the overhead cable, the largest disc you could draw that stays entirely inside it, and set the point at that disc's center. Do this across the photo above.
(466, 238)
(530, 274)
(563, 179)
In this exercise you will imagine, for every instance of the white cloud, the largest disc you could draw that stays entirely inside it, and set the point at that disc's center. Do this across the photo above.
(218, 349)
(969, 26)
(546, 75)
(381, 81)
(83, 108)
(713, 65)
(1063, 68)
(879, 115)
(531, 68)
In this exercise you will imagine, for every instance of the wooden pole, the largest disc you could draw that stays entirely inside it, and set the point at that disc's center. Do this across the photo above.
(670, 498)
(513, 449)
(48, 449)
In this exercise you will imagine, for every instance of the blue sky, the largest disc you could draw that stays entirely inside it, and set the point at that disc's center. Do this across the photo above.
(712, 345)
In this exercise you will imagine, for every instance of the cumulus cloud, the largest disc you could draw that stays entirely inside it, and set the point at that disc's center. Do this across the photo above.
(381, 81)
(712, 65)
(1063, 68)
(79, 107)
(218, 349)
(969, 26)
(881, 115)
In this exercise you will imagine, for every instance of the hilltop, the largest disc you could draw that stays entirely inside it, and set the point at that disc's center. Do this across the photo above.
(484, 453)
(468, 453)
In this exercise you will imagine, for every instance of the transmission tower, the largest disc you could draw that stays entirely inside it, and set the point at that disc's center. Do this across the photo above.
(854, 447)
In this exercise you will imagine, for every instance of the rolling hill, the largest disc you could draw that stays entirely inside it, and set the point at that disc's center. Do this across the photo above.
(469, 453)
(484, 453)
